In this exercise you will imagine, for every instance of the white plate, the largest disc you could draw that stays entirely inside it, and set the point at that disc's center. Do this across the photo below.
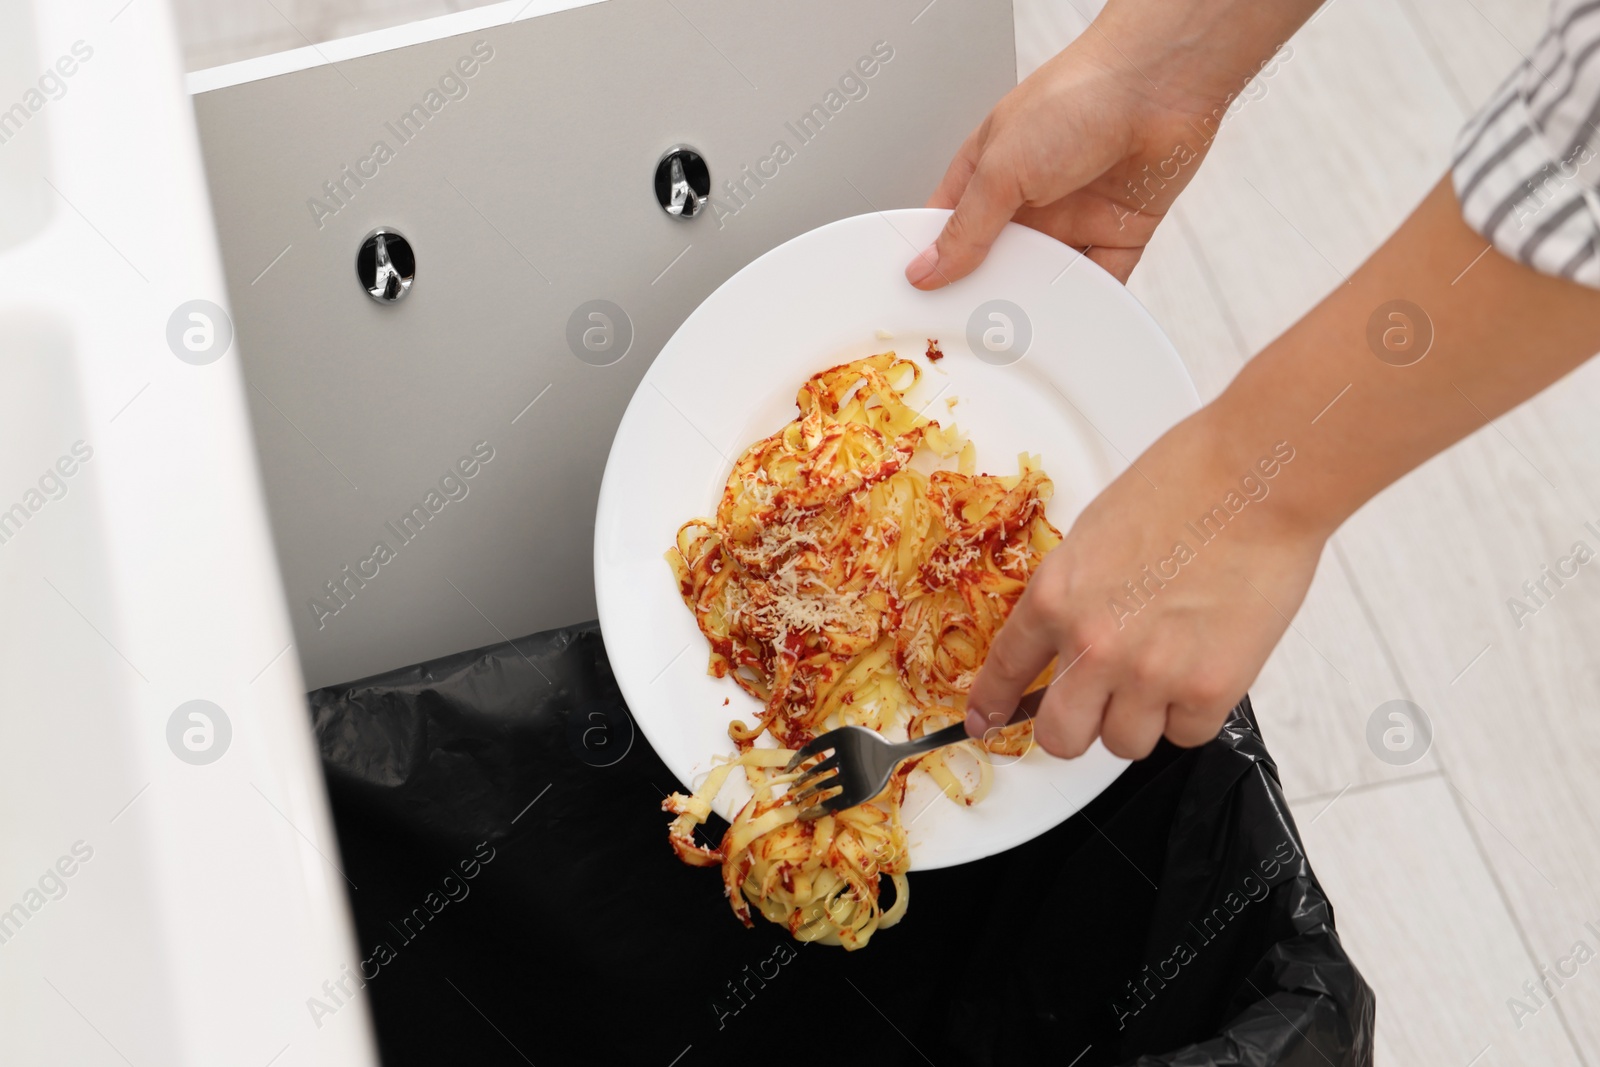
(1098, 383)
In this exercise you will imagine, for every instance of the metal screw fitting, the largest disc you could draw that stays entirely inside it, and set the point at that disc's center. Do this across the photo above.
(683, 182)
(386, 265)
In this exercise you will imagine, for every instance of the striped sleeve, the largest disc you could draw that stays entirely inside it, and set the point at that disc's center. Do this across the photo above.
(1524, 169)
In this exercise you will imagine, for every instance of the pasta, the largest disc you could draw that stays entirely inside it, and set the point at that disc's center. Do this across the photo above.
(837, 583)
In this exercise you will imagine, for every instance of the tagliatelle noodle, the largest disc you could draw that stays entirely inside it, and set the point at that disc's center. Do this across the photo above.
(839, 585)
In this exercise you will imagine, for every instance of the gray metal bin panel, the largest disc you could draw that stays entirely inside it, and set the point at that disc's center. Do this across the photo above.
(525, 188)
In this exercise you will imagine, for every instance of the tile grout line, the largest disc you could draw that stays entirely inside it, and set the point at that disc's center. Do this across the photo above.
(1363, 787)
(1511, 911)
(1396, 674)
(1455, 797)
(1431, 46)
(1207, 272)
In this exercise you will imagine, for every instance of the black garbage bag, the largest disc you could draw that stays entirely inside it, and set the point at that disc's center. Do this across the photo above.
(516, 902)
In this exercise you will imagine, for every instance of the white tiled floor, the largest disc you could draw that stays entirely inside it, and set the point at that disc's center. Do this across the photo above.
(1455, 878)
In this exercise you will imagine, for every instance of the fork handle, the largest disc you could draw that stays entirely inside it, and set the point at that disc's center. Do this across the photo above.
(938, 739)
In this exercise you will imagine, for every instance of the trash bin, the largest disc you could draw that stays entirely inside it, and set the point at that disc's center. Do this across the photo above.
(516, 902)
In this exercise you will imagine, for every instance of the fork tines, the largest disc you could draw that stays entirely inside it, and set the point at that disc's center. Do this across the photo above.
(817, 780)
(809, 749)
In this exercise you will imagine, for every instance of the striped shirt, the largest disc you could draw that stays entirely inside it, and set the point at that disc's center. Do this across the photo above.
(1527, 166)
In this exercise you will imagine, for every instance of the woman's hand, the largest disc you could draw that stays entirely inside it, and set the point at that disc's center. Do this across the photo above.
(1163, 602)
(1229, 510)
(1082, 150)
(1092, 151)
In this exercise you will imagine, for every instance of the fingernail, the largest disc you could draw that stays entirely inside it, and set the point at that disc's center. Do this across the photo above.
(977, 726)
(922, 268)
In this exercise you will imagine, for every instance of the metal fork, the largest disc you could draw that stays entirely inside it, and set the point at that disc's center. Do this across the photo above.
(864, 759)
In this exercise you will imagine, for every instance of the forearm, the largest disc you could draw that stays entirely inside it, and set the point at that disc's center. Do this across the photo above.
(1500, 332)
(1199, 53)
